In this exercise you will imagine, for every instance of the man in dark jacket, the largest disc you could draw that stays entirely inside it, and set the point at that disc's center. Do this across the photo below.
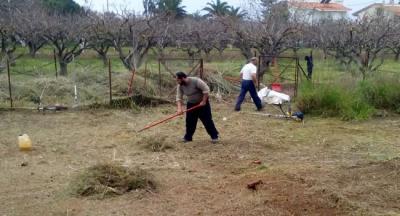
(310, 65)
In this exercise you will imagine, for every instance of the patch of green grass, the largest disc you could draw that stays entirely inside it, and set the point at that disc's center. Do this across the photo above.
(381, 93)
(333, 101)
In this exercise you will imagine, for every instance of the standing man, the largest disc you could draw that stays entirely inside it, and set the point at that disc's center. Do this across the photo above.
(310, 65)
(248, 74)
(197, 92)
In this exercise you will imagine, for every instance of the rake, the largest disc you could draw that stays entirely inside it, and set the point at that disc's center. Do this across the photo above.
(168, 118)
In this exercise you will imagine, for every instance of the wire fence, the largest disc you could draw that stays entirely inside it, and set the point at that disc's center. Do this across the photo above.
(35, 83)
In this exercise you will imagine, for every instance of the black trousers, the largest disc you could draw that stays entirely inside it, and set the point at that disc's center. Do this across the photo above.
(204, 113)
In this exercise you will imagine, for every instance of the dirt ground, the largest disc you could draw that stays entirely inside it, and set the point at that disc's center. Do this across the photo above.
(319, 167)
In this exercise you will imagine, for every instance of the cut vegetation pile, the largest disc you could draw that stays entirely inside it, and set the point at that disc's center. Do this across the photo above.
(155, 143)
(110, 179)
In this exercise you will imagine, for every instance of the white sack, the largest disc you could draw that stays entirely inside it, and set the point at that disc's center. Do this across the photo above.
(272, 97)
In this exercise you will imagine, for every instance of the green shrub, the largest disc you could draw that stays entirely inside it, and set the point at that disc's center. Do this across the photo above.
(320, 100)
(381, 93)
(356, 109)
(333, 101)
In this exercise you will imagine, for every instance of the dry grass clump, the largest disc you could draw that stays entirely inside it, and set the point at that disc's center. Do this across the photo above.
(155, 143)
(374, 185)
(219, 84)
(109, 179)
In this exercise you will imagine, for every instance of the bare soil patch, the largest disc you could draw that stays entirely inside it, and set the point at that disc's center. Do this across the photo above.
(321, 167)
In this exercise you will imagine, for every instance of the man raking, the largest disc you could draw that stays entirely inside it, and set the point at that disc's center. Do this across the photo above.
(196, 91)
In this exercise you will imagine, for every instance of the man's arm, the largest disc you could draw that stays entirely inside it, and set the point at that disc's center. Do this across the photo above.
(179, 106)
(204, 100)
(179, 99)
(254, 78)
(204, 89)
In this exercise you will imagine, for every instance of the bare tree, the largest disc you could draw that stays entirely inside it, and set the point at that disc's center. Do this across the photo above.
(394, 44)
(186, 36)
(9, 39)
(67, 34)
(136, 32)
(98, 38)
(359, 42)
(29, 19)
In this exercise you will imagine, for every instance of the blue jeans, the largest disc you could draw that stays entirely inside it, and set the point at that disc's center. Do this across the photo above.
(248, 85)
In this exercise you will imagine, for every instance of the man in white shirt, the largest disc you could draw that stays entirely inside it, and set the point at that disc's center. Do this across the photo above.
(249, 81)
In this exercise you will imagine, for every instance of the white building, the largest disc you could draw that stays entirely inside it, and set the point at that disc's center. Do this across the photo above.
(313, 10)
(390, 10)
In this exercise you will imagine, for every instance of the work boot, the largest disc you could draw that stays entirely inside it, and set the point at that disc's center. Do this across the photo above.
(184, 140)
(215, 140)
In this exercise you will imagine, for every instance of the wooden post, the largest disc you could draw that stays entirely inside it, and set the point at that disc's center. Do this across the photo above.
(109, 79)
(9, 83)
(55, 62)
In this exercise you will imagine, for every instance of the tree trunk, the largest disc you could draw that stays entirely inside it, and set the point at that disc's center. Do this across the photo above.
(208, 59)
(32, 52)
(63, 68)
(103, 57)
(397, 56)
(246, 52)
(11, 58)
(3, 46)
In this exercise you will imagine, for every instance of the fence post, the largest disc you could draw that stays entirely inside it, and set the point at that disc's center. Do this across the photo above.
(159, 76)
(145, 76)
(9, 82)
(109, 79)
(55, 61)
(201, 68)
(296, 76)
(258, 72)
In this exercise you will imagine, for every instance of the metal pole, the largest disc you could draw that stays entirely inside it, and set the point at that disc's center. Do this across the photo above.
(55, 62)
(296, 77)
(159, 76)
(109, 79)
(9, 82)
(201, 68)
(145, 76)
(258, 72)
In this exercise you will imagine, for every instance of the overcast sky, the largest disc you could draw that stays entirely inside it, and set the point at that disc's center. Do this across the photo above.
(192, 5)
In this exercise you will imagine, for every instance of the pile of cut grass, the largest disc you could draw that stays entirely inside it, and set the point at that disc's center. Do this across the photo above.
(105, 180)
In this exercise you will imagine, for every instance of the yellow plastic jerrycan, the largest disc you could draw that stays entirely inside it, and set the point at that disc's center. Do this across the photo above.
(24, 142)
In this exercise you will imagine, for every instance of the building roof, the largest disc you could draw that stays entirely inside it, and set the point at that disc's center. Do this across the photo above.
(319, 6)
(394, 8)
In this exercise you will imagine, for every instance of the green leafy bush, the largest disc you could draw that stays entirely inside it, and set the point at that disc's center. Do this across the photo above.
(334, 101)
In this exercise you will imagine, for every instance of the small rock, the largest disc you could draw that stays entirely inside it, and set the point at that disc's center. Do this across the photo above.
(25, 163)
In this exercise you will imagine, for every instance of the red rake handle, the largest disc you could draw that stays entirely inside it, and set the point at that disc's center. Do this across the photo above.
(168, 118)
